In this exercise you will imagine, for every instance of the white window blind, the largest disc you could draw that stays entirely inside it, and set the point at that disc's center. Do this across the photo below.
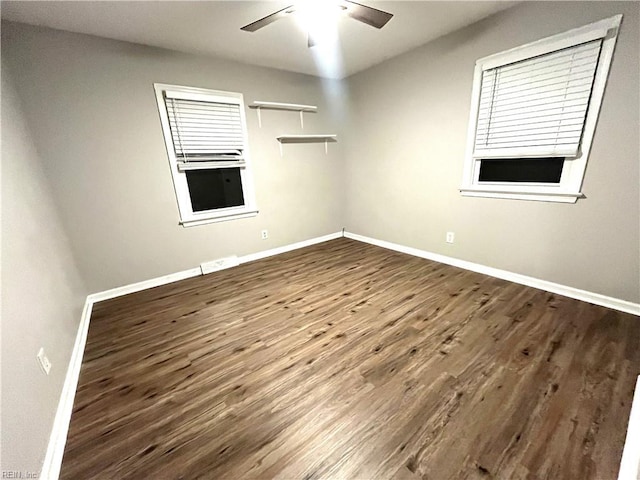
(536, 107)
(205, 133)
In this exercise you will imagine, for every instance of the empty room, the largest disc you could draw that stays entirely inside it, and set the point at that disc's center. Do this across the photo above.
(320, 240)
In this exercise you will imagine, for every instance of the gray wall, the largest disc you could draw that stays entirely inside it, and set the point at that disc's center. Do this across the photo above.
(42, 295)
(90, 103)
(394, 175)
(407, 144)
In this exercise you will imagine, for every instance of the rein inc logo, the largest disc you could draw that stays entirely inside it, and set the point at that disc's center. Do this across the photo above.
(19, 474)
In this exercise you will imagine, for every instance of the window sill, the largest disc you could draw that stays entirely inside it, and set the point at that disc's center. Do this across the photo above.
(546, 196)
(194, 222)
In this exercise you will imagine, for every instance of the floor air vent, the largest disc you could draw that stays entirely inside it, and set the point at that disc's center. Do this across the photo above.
(219, 264)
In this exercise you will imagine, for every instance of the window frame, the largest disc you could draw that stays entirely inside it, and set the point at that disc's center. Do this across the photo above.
(188, 217)
(568, 190)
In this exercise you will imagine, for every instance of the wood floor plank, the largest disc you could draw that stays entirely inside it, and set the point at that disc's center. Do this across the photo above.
(349, 361)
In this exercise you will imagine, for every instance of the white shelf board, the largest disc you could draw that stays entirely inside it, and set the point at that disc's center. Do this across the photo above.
(284, 106)
(307, 138)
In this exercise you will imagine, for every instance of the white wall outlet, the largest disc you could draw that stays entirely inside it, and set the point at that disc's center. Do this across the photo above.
(450, 237)
(264, 234)
(43, 361)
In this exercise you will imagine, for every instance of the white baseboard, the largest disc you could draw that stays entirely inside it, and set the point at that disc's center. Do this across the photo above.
(288, 248)
(630, 463)
(58, 438)
(145, 284)
(585, 296)
(194, 272)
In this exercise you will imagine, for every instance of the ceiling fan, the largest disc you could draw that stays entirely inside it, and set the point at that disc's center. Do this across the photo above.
(368, 15)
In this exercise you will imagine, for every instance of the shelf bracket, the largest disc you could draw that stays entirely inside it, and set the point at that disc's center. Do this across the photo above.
(259, 117)
(326, 147)
(302, 119)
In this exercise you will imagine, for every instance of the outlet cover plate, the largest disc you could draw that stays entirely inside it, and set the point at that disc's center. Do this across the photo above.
(43, 361)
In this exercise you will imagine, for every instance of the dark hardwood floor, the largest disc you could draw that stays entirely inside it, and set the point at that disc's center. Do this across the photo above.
(348, 361)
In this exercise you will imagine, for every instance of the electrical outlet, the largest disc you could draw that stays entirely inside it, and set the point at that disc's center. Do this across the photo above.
(265, 234)
(43, 361)
(450, 237)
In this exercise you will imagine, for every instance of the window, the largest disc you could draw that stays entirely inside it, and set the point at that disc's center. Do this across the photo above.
(205, 135)
(533, 115)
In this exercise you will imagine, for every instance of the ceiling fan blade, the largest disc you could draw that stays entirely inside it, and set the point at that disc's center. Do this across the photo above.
(369, 15)
(264, 21)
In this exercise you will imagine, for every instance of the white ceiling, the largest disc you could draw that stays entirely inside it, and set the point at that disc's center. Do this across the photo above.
(213, 28)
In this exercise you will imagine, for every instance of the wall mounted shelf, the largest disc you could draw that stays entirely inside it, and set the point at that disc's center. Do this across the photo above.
(284, 106)
(307, 138)
(293, 107)
(319, 138)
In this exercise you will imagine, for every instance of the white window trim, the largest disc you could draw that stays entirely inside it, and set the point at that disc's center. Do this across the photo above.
(569, 188)
(189, 218)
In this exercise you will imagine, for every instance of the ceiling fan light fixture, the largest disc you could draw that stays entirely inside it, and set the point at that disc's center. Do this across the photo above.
(319, 20)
